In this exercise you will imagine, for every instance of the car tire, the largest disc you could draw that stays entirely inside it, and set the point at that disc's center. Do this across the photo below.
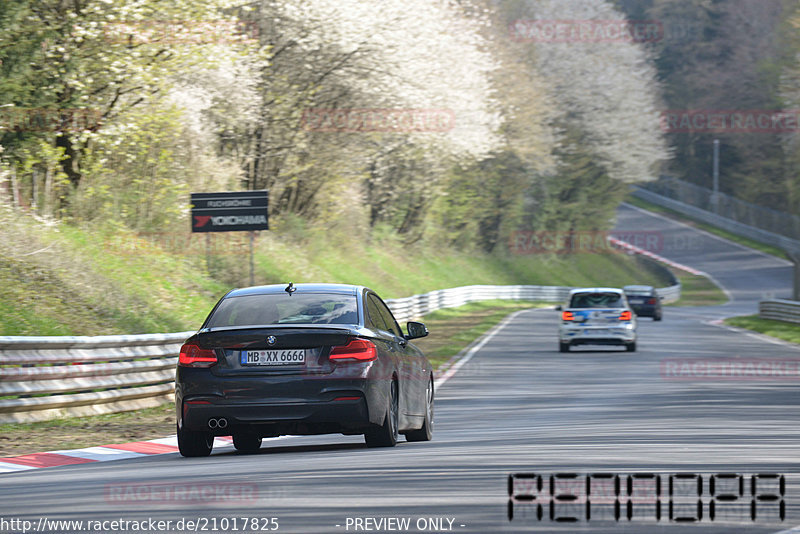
(426, 432)
(563, 347)
(244, 442)
(630, 347)
(194, 444)
(657, 317)
(386, 434)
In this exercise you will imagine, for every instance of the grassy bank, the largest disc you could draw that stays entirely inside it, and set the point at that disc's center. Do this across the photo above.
(777, 329)
(64, 280)
(698, 291)
(453, 329)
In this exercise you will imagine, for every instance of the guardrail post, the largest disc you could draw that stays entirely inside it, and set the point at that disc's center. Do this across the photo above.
(795, 257)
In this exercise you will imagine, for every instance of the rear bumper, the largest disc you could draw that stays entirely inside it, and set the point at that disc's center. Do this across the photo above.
(590, 336)
(601, 341)
(275, 419)
(645, 311)
(279, 405)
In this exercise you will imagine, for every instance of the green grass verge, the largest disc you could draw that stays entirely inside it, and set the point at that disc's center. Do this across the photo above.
(452, 330)
(698, 291)
(395, 270)
(777, 329)
(672, 214)
(65, 280)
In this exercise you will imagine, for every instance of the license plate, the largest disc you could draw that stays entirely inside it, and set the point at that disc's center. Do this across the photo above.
(273, 357)
(636, 301)
(597, 332)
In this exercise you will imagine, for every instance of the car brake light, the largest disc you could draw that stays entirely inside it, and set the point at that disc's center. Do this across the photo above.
(651, 301)
(567, 316)
(360, 350)
(625, 316)
(194, 356)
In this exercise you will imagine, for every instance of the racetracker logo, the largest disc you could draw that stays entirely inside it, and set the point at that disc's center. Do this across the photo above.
(730, 121)
(730, 369)
(594, 242)
(187, 244)
(194, 32)
(378, 120)
(586, 31)
(182, 493)
(49, 120)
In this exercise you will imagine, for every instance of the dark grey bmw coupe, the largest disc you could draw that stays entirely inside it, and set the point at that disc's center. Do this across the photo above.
(305, 359)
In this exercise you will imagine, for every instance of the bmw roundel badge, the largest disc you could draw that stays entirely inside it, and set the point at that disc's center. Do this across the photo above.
(271, 340)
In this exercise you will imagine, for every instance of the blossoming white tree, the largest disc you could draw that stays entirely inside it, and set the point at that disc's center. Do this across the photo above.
(606, 86)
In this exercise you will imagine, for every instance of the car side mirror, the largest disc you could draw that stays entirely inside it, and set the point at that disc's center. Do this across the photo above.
(559, 308)
(416, 330)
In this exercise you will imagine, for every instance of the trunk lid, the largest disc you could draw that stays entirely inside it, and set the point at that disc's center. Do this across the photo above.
(273, 350)
(597, 317)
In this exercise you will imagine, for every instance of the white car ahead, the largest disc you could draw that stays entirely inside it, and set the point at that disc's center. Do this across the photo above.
(597, 316)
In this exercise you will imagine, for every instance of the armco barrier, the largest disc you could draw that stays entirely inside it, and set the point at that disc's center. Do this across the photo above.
(744, 230)
(49, 377)
(780, 310)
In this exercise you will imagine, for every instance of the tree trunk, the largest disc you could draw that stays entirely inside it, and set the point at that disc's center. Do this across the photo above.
(14, 187)
(48, 192)
(34, 192)
(70, 162)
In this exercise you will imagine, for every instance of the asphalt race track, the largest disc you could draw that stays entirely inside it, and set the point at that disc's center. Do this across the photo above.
(517, 406)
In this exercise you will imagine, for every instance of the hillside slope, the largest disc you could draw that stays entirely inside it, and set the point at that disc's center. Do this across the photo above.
(57, 279)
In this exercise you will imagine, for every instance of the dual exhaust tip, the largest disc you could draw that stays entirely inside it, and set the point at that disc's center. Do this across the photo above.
(217, 423)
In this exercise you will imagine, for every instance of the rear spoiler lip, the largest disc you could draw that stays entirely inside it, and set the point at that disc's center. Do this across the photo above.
(205, 336)
(595, 309)
(299, 326)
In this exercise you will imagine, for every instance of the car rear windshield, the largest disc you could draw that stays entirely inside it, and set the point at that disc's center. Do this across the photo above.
(639, 292)
(308, 308)
(597, 300)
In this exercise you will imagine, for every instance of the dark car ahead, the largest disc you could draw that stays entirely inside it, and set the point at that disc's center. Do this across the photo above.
(306, 359)
(645, 301)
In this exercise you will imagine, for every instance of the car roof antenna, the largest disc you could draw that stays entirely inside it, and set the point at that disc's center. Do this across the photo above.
(290, 289)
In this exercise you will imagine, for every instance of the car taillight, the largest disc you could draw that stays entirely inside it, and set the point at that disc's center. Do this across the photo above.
(194, 356)
(625, 316)
(360, 350)
(567, 316)
(651, 301)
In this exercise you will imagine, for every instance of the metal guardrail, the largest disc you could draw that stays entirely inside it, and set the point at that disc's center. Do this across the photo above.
(407, 308)
(735, 227)
(727, 206)
(780, 310)
(49, 377)
(415, 306)
(670, 294)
